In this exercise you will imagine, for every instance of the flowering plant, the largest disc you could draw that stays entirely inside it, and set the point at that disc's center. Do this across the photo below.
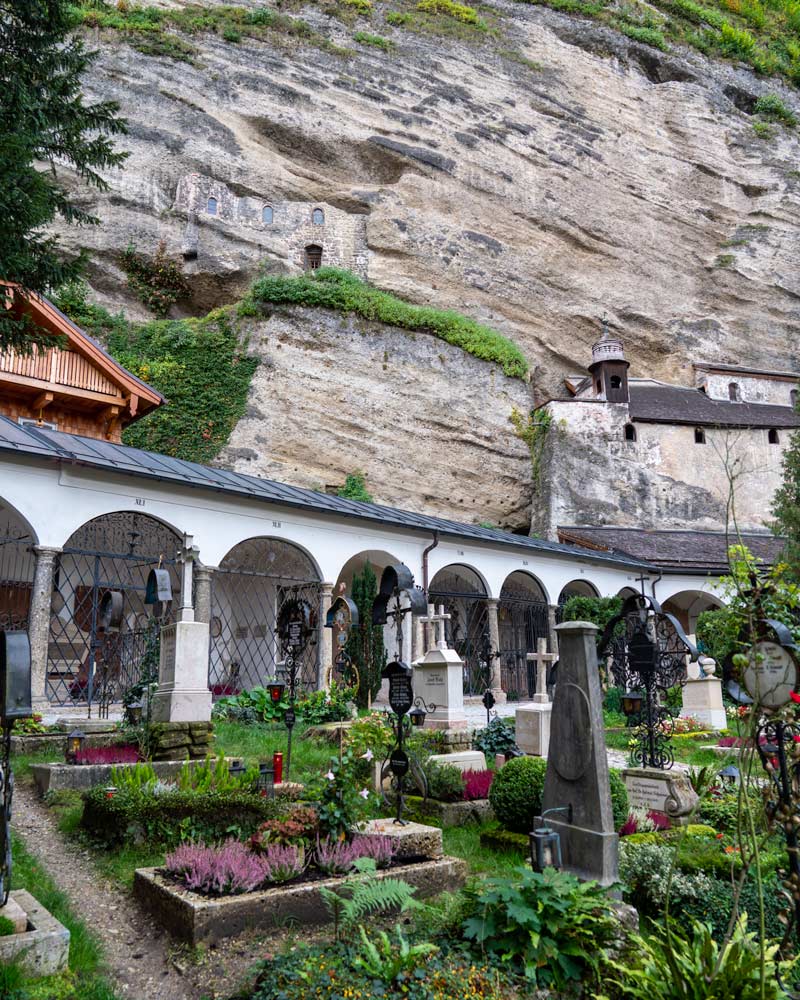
(232, 868)
(477, 784)
(108, 755)
(298, 827)
(342, 802)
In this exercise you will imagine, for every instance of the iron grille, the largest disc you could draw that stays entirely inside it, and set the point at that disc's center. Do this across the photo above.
(249, 590)
(522, 622)
(113, 552)
(17, 564)
(464, 599)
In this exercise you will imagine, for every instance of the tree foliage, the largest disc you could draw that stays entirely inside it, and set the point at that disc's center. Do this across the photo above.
(786, 504)
(365, 645)
(44, 122)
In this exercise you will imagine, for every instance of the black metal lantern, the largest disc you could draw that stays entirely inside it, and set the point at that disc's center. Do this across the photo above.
(76, 741)
(417, 716)
(631, 703)
(276, 690)
(236, 769)
(545, 842)
(135, 711)
(488, 704)
(266, 780)
(15, 676)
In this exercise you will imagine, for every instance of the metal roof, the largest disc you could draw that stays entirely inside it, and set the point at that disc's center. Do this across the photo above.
(659, 402)
(58, 446)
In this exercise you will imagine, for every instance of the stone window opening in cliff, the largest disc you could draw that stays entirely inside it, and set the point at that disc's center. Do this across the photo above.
(630, 432)
(313, 257)
(733, 392)
(318, 217)
(211, 206)
(774, 437)
(267, 215)
(793, 395)
(699, 435)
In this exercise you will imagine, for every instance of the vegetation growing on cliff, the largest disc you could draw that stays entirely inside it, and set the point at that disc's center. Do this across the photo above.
(198, 364)
(331, 288)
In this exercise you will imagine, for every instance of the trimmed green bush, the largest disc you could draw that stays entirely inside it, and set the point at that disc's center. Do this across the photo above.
(516, 792)
(332, 288)
(619, 799)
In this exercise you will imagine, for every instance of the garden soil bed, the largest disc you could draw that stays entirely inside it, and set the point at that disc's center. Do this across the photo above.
(195, 918)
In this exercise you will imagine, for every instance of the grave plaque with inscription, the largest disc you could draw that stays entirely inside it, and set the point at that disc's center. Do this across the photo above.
(401, 693)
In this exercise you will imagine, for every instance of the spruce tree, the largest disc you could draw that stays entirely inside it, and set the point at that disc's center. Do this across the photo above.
(786, 504)
(45, 124)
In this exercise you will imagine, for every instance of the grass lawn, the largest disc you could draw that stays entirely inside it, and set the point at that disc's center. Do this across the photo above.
(258, 741)
(84, 980)
(464, 842)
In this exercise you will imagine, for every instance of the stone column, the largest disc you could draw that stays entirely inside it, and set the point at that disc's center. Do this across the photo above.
(552, 624)
(495, 681)
(39, 623)
(325, 644)
(202, 592)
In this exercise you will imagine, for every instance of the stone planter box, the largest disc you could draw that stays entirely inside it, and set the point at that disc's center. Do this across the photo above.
(42, 949)
(722, 751)
(34, 742)
(195, 918)
(452, 813)
(80, 777)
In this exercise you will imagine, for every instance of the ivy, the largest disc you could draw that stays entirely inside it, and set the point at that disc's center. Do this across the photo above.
(355, 488)
(533, 430)
(332, 288)
(157, 281)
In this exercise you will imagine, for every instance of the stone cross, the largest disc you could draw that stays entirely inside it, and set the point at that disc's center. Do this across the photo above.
(438, 623)
(187, 556)
(542, 659)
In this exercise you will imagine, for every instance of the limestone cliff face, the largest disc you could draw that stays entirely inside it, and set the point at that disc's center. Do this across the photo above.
(427, 423)
(613, 179)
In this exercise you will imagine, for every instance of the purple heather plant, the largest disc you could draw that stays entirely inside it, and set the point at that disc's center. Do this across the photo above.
(380, 849)
(282, 862)
(335, 857)
(218, 871)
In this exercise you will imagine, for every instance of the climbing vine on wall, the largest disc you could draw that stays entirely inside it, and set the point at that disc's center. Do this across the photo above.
(200, 365)
(157, 281)
(533, 430)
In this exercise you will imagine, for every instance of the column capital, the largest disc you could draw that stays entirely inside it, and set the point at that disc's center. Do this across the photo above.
(492, 601)
(204, 571)
(47, 551)
(326, 588)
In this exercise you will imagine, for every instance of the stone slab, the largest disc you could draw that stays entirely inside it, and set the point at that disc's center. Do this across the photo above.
(702, 699)
(452, 813)
(79, 777)
(464, 760)
(532, 728)
(412, 840)
(589, 854)
(13, 911)
(43, 949)
(87, 726)
(195, 918)
(667, 792)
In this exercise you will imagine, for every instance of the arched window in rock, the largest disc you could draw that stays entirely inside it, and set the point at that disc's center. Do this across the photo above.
(267, 215)
(774, 437)
(733, 392)
(313, 257)
(211, 206)
(699, 435)
(318, 217)
(630, 432)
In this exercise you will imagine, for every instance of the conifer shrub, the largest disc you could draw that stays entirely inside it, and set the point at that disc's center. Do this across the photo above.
(516, 793)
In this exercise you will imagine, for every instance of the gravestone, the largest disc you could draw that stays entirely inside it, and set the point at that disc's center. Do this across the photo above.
(439, 678)
(577, 765)
(533, 718)
(701, 697)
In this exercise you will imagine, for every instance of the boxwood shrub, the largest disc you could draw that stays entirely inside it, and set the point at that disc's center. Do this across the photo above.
(172, 816)
(516, 792)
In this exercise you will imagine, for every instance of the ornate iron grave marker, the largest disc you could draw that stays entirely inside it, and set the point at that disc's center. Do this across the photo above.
(647, 649)
(295, 628)
(341, 618)
(15, 703)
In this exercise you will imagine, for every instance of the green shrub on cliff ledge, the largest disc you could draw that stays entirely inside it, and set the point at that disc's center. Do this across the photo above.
(331, 288)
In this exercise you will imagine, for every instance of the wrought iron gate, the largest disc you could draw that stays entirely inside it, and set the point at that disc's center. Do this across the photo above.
(86, 663)
(522, 622)
(464, 599)
(249, 590)
(17, 563)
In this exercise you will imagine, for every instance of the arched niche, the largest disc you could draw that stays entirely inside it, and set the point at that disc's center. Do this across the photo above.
(688, 605)
(577, 588)
(86, 661)
(522, 620)
(17, 566)
(463, 593)
(250, 587)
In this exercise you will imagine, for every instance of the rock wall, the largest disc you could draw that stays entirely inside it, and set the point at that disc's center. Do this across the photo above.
(428, 424)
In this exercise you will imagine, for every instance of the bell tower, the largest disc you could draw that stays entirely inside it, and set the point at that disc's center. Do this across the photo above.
(609, 368)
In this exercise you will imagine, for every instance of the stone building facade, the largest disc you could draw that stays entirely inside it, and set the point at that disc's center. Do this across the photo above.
(306, 234)
(638, 453)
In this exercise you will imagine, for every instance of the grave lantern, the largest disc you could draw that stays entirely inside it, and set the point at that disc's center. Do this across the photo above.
(266, 780)
(631, 703)
(417, 716)
(545, 842)
(276, 690)
(488, 704)
(76, 742)
(15, 676)
(730, 774)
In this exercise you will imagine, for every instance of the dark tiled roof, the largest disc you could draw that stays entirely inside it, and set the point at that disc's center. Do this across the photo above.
(688, 551)
(58, 446)
(657, 402)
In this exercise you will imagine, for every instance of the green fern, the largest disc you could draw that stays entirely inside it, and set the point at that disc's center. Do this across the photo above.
(383, 961)
(365, 896)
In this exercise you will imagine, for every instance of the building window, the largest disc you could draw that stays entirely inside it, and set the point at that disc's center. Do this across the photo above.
(630, 432)
(267, 215)
(313, 257)
(699, 435)
(793, 398)
(774, 437)
(733, 392)
(616, 382)
(318, 217)
(211, 206)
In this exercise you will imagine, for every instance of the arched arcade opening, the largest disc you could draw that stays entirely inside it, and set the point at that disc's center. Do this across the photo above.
(464, 596)
(17, 566)
(522, 619)
(688, 605)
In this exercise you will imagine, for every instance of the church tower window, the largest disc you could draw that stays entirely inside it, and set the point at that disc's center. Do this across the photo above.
(774, 437)
(630, 432)
(699, 435)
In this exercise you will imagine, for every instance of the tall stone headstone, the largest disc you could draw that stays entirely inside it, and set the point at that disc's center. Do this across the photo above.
(439, 677)
(577, 765)
(701, 696)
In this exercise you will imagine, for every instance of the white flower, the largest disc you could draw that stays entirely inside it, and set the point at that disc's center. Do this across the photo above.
(364, 793)
(330, 776)
(368, 755)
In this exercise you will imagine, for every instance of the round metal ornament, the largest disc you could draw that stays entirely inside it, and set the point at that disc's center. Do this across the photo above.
(771, 674)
